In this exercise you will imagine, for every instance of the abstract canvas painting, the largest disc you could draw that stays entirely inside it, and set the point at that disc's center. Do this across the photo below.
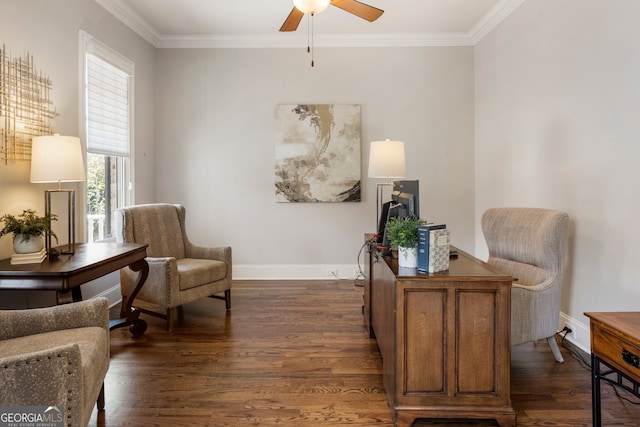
(317, 153)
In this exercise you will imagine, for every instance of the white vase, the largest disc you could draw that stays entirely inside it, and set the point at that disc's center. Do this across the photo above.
(407, 257)
(31, 245)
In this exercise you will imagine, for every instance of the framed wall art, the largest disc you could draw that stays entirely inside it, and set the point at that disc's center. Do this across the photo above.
(317, 153)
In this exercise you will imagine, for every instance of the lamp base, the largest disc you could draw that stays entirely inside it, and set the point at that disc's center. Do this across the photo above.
(379, 196)
(71, 221)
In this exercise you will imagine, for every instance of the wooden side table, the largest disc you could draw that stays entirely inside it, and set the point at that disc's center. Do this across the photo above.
(68, 273)
(615, 354)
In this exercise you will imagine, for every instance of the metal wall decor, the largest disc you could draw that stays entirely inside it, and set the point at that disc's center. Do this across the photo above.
(25, 108)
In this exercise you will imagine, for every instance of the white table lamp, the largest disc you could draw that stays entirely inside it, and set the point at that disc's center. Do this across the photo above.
(386, 160)
(56, 158)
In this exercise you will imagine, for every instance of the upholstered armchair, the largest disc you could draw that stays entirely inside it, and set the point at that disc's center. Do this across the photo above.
(56, 356)
(179, 272)
(530, 244)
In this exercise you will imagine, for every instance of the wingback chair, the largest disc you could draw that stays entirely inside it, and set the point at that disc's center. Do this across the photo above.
(179, 272)
(530, 244)
(56, 356)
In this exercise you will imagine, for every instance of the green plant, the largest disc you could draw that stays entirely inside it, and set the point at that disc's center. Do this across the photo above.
(28, 224)
(96, 167)
(403, 231)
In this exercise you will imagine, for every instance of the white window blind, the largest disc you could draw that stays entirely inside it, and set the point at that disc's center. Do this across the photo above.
(107, 108)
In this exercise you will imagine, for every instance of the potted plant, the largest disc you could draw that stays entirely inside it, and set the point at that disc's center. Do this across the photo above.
(403, 234)
(27, 229)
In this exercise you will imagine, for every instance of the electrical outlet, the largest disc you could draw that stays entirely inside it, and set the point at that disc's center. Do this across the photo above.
(332, 272)
(571, 334)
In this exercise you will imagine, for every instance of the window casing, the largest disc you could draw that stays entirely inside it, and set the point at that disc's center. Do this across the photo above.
(107, 96)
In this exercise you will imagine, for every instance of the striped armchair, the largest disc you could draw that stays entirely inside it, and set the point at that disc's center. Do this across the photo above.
(530, 244)
(179, 272)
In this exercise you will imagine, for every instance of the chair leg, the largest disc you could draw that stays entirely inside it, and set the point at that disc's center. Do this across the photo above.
(226, 298)
(555, 349)
(171, 314)
(123, 312)
(100, 402)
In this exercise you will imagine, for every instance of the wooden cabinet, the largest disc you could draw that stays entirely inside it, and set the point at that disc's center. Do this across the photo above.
(444, 339)
(615, 343)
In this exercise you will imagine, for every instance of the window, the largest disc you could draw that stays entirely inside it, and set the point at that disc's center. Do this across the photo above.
(108, 105)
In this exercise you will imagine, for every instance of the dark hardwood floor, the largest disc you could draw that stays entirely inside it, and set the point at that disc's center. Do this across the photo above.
(297, 354)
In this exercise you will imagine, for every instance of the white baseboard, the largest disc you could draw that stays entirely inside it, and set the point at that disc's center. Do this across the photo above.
(580, 335)
(296, 272)
(112, 294)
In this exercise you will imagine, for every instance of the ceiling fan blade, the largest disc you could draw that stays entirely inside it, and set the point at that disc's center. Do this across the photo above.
(361, 10)
(292, 21)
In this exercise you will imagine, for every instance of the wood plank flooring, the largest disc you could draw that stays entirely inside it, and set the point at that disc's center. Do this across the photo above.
(295, 353)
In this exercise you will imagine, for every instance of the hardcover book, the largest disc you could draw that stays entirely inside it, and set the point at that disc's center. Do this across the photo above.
(423, 244)
(438, 250)
(29, 258)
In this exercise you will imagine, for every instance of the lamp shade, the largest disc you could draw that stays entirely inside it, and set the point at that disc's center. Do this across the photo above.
(386, 159)
(311, 6)
(56, 158)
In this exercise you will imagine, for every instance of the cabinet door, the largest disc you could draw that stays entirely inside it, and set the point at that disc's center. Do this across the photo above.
(477, 342)
(452, 343)
(424, 342)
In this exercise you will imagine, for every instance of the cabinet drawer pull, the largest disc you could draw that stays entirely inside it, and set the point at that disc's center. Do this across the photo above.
(630, 358)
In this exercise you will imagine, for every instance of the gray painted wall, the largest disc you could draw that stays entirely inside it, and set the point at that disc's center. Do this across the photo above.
(48, 30)
(215, 144)
(557, 107)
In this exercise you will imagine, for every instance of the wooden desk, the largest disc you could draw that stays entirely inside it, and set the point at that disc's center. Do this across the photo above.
(66, 274)
(444, 339)
(615, 345)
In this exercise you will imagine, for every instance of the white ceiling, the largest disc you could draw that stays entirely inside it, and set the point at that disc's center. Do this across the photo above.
(255, 23)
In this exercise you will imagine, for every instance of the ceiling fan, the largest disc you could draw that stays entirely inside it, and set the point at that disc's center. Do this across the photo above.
(301, 7)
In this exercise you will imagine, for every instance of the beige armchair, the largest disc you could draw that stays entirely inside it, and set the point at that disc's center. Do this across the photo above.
(56, 356)
(179, 272)
(530, 244)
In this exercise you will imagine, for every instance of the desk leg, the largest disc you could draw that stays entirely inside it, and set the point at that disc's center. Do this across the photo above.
(130, 315)
(76, 294)
(64, 297)
(595, 391)
(68, 296)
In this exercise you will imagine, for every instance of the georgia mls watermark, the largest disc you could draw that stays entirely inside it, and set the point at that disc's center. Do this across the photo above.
(31, 416)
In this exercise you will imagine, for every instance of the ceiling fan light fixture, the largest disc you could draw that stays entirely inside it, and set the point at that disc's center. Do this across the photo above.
(311, 6)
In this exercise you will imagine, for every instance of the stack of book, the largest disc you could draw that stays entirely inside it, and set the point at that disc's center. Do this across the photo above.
(433, 247)
(30, 258)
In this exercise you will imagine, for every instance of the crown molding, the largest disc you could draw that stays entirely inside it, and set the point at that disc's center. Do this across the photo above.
(264, 41)
(131, 19)
(137, 23)
(498, 13)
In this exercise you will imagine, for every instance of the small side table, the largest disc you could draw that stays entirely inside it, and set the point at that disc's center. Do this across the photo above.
(615, 354)
(68, 273)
